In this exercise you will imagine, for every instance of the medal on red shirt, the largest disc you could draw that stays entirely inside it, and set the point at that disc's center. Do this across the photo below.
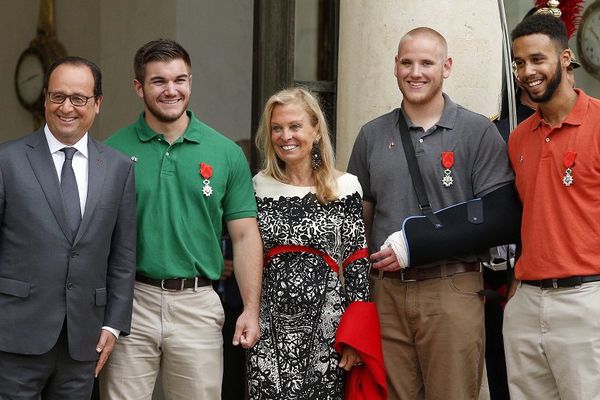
(206, 172)
(447, 163)
(569, 163)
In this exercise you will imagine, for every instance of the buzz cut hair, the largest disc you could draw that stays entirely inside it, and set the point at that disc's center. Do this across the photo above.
(426, 31)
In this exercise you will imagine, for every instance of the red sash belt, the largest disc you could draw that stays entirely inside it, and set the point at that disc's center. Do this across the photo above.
(292, 248)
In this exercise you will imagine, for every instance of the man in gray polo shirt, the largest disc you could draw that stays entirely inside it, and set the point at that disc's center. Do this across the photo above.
(432, 316)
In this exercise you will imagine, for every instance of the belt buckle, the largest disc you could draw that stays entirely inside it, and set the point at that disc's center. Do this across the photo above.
(402, 277)
(162, 285)
(554, 283)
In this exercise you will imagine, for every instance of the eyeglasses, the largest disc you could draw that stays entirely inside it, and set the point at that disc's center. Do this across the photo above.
(77, 100)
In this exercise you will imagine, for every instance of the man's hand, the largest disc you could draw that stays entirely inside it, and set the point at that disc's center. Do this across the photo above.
(248, 264)
(385, 260)
(105, 346)
(393, 254)
(350, 358)
(247, 330)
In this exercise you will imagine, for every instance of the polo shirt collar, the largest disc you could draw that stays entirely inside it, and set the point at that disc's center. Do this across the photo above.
(449, 115)
(448, 118)
(575, 117)
(145, 133)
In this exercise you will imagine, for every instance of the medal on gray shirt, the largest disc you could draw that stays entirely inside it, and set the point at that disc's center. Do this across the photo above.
(447, 163)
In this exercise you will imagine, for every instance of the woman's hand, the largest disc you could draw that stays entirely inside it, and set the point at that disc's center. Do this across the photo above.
(350, 358)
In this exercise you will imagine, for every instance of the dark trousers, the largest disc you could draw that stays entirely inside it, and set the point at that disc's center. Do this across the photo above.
(494, 343)
(96, 391)
(234, 359)
(50, 376)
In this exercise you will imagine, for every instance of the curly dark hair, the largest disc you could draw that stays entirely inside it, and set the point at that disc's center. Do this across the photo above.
(544, 24)
(158, 50)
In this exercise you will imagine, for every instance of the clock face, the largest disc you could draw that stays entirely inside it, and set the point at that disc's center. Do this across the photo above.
(588, 39)
(29, 78)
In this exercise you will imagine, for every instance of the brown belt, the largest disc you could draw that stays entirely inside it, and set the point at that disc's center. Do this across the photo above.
(175, 284)
(421, 274)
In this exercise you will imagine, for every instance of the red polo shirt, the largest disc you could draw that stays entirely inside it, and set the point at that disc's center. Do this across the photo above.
(561, 224)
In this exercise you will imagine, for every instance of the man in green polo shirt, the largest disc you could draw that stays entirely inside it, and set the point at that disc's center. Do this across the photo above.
(189, 179)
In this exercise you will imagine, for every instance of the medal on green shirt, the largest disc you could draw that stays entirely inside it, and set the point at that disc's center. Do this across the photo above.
(206, 172)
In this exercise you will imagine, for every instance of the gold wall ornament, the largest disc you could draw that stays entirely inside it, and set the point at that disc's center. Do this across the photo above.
(46, 18)
(34, 61)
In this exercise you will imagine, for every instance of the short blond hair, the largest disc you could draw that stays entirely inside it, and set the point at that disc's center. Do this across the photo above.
(426, 31)
(326, 188)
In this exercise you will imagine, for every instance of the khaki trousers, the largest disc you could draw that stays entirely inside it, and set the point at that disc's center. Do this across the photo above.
(175, 333)
(433, 336)
(552, 343)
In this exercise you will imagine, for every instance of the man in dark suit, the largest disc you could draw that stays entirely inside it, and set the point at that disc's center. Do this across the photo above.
(67, 245)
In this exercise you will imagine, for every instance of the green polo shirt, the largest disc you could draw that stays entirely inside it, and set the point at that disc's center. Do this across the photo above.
(179, 225)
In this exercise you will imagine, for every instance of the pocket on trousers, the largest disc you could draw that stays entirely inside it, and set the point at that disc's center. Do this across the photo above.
(14, 287)
(101, 297)
(219, 310)
(466, 283)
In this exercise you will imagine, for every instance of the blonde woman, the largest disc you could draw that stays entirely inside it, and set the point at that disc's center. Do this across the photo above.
(311, 224)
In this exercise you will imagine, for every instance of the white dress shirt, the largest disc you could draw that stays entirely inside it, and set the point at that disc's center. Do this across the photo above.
(80, 162)
(80, 168)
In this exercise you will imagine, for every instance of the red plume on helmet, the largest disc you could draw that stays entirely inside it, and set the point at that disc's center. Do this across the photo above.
(571, 13)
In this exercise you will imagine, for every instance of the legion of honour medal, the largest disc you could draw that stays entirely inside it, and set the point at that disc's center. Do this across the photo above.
(447, 163)
(206, 173)
(569, 163)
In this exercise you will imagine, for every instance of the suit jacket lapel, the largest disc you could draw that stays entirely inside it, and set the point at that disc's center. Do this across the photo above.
(96, 175)
(43, 167)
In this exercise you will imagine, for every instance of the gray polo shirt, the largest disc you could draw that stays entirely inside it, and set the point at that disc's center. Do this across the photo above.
(481, 165)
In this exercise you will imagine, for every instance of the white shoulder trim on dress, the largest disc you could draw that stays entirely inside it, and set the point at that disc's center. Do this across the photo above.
(266, 186)
(348, 184)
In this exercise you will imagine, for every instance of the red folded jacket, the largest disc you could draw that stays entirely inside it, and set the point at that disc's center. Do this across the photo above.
(359, 329)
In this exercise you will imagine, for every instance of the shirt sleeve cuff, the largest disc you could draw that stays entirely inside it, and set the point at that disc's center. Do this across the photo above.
(115, 332)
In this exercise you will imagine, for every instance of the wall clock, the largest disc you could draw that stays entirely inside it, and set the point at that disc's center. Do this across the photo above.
(588, 39)
(29, 78)
(35, 60)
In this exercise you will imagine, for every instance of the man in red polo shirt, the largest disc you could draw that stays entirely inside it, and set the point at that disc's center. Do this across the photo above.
(552, 323)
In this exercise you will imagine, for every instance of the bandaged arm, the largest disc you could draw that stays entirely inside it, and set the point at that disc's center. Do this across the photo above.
(468, 228)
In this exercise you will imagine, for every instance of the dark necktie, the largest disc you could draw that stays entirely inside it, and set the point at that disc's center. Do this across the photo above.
(68, 185)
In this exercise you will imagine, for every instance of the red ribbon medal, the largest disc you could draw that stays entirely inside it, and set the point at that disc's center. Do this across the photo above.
(569, 163)
(447, 163)
(206, 172)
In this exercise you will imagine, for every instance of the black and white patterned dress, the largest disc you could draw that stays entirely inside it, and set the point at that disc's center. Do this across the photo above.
(303, 298)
